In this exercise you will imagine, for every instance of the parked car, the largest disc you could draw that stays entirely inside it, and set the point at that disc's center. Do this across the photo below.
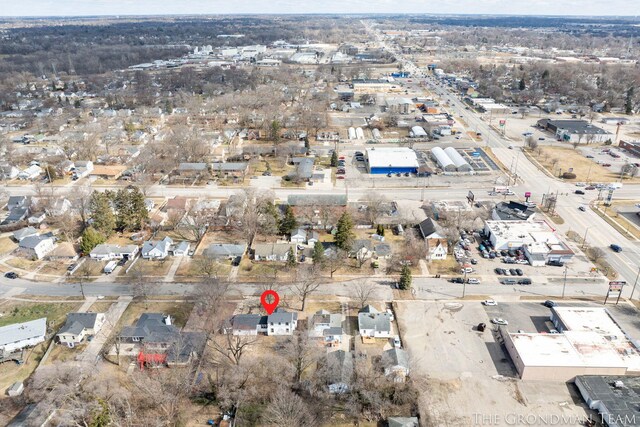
(513, 272)
(466, 270)
(11, 275)
(582, 208)
(489, 302)
(579, 192)
(556, 263)
(498, 271)
(457, 280)
(524, 282)
(473, 281)
(589, 156)
(589, 187)
(499, 321)
(519, 272)
(549, 303)
(509, 281)
(473, 261)
(236, 261)
(615, 248)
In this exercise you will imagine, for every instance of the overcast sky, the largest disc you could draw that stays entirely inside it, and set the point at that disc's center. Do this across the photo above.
(170, 7)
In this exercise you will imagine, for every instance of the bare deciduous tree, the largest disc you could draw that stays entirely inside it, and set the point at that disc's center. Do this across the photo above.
(233, 347)
(288, 409)
(306, 285)
(362, 292)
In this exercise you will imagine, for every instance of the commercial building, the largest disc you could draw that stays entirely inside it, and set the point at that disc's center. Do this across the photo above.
(579, 131)
(512, 211)
(399, 105)
(590, 342)
(536, 238)
(616, 398)
(391, 160)
(632, 147)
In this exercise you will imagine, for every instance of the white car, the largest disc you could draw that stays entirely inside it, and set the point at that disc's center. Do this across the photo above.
(474, 281)
(489, 302)
(466, 270)
(499, 321)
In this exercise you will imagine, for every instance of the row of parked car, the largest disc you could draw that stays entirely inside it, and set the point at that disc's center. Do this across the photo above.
(509, 272)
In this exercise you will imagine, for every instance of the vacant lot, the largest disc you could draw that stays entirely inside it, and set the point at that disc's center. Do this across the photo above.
(20, 311)
(467, 374)
(558, 160)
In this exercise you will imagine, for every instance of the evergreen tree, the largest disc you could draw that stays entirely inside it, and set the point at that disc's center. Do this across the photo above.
(334, 159)
(318, 254)
(523, 84)
(380, 230)
(102, 216)
(291, 258)
(629, 101)
(131, 210)
(101, 417)
(275, 131)
(289, 222)
(271, 222)
(344, 234)
(90, 239)
(405, 277)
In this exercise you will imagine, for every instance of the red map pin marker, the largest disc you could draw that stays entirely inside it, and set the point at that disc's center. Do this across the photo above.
(269, 300)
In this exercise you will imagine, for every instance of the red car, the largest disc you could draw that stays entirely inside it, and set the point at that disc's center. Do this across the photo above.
(340, 177)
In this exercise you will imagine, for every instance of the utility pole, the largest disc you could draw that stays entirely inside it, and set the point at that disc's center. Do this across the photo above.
(584, 239)
(565, 280)
(635, 284)
(464, 283)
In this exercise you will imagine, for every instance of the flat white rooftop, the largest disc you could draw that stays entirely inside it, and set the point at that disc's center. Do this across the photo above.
(591, 339)
(399, 157)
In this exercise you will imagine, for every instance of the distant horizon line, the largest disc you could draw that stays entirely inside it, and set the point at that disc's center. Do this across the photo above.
(637, 17)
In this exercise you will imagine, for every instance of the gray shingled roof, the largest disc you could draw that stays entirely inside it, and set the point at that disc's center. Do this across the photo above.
(370, 318)
(282, 316)
(77, 322)
(396, 357)
(247, 322)
(223, 250)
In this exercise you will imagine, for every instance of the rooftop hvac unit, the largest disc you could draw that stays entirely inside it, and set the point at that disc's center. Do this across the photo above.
(618, 384)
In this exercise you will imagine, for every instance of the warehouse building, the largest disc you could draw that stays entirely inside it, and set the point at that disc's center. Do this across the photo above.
(460, 163)
(391, 160)
(538, 241)
(450, 160)
(445, 163)
(590, 342)
(417, 132)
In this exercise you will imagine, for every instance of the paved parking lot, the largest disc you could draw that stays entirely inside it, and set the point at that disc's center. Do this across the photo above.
(464, 375)
(531, 316)
(606, 158)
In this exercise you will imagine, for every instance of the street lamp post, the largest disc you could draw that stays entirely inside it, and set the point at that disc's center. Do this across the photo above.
(565, 280)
